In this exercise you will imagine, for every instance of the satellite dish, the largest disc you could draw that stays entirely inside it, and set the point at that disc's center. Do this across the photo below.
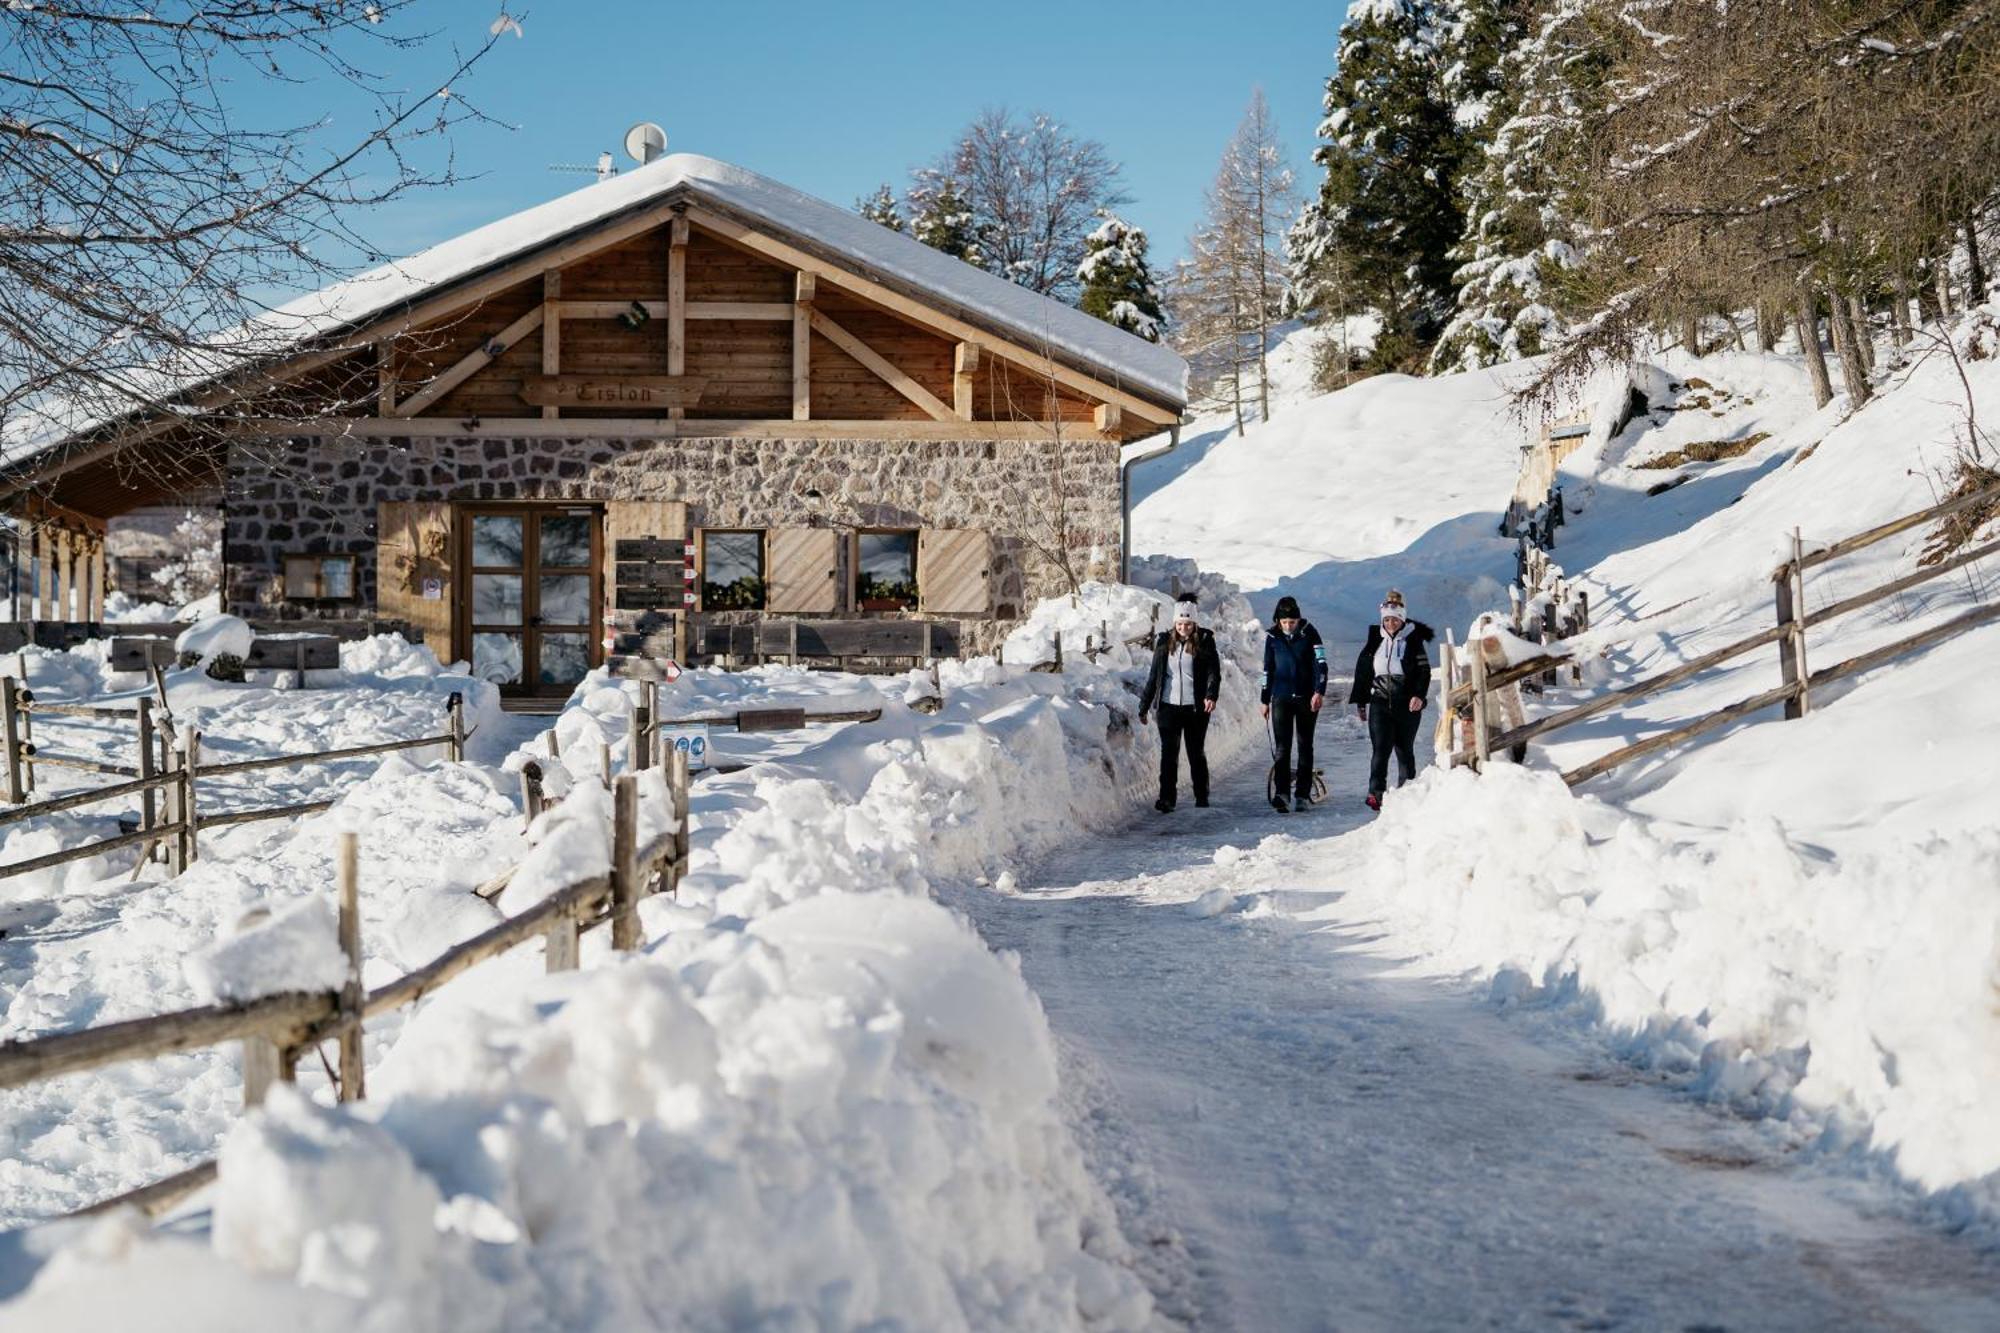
(645, 141)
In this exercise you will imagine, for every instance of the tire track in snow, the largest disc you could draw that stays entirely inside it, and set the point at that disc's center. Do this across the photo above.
(1297, 1140)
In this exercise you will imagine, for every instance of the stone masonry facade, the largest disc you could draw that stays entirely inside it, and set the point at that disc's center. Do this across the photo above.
(313, 495)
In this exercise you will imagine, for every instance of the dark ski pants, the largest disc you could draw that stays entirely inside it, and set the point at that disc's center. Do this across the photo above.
(1391, 728)
(1292, 718)
(1183, 722)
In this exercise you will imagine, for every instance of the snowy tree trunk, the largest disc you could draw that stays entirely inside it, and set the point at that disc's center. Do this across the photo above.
(1805, 319)
(1770, 326)
(1901, 317)
(1863, 335)
(1853, 372)
(1691, 334)
(1941, 270)
(1735, 330)
(1975, 284)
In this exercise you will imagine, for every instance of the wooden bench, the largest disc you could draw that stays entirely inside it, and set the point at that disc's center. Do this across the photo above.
(303, 652)
(792, 640)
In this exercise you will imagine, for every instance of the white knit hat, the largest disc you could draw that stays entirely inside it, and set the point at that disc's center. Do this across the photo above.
(1396, 609)
(1184, 610)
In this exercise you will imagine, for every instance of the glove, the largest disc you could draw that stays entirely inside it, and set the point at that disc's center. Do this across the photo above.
(1361, 711)
(1142, 717)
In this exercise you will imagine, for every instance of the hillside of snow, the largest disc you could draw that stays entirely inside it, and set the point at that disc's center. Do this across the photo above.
(1795, 920)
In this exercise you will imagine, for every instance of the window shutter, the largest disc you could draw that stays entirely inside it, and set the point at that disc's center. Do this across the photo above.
(413, 546)
(800, 571)
(952, 571)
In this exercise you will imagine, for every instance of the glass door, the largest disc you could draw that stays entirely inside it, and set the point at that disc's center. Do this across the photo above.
(532, 598)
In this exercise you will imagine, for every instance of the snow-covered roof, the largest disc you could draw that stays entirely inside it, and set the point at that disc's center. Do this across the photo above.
(1027, 317)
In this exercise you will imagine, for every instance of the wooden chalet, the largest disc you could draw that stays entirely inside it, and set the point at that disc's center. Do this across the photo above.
(636, 420)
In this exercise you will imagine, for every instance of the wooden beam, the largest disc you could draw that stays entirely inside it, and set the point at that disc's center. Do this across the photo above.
(611, 309)
(916, 312)
(866, 355)
(552, 313)
(471, 364)
(677, 241)
(802, 298)
(1110, 418)
(965, 364)
(661, 428)
(772, 310)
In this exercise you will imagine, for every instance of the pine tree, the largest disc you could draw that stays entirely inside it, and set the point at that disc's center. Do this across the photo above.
(1117, 283)
(881, 207)
(1393, 150)
(1525, 204)
(941, 217)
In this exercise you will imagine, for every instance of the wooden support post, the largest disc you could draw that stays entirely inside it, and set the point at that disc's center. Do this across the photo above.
(625, 863)
(551, 333)
(532, 802)
(347, 874)
(97, 570)
(454, 708)
(385, 378)
(1480, 745)
(641, 748)
(1800, 704)
(146, 770)
(66, 572)
(39, 609)
(262, 1066)
(681, 786)
(806, 288)
(560, 946)
(965, 364)
(604, 761)
(677, 303)
(1109, 418)
(190, 762)
(10, 736)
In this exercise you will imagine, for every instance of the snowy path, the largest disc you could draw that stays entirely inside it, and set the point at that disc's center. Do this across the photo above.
(1298, 1140)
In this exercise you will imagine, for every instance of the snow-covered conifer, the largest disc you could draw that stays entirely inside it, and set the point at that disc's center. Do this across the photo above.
(941, 217)
(881, 207)
(1118, 284)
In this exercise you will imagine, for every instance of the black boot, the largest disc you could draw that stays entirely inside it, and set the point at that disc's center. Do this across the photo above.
(1164, 806)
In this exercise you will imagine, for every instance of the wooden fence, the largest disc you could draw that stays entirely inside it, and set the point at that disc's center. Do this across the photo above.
(168, 767)
(277, 1030)
(1478, 684)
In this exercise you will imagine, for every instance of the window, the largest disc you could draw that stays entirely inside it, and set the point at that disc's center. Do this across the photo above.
(732, 571)
(327, 578)
(885, 571)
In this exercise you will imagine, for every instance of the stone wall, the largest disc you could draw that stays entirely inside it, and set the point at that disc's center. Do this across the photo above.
(317, 496)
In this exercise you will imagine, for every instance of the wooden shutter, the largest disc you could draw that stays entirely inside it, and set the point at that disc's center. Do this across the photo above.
(952, 567)
(413, 548)
(800, 567)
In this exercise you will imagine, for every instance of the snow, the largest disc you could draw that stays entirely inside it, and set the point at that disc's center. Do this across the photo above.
(216, 636)
(298, 949)
(1032, 319)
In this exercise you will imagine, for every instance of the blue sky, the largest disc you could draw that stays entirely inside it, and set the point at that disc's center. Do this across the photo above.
(834, 98)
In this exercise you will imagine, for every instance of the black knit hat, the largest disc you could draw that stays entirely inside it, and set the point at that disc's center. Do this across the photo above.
(1288, 609)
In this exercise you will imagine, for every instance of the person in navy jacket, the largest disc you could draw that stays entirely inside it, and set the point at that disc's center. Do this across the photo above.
(1292, 689)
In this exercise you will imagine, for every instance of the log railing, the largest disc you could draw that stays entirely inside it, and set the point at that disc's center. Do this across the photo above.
(276, 1030)
(170, 764)
(1798, 681)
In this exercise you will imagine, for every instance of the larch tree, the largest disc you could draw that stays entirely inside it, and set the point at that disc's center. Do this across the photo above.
(941, 218)
(1117, 281)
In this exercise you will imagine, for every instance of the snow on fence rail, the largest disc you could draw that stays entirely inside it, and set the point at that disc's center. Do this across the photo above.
(169, 762)
(1797, 681)
(277, 1030)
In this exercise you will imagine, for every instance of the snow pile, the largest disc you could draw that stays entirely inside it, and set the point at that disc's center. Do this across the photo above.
(216, 636)
(1853, 999)
(298, 949)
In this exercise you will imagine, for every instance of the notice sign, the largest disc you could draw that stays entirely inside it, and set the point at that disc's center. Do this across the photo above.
(434, 590)
(691, 740)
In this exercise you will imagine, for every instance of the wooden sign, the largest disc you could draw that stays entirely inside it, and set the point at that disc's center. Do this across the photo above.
(646, 575)
(642, 599)
(640, 392)
(647, 548)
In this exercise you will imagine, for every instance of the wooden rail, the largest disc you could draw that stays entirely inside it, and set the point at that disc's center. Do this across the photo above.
(180, 757)
(277, 1030)
(1798, 681)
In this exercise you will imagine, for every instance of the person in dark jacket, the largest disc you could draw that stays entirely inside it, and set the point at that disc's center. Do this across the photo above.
(1185, 683)
(1293, 687)
(1392, 677)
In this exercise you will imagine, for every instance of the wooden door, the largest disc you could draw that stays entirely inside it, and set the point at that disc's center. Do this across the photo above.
(531, 595)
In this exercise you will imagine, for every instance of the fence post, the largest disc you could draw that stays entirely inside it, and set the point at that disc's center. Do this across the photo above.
(175, 849)
(1549, 636)
(347, 873)
(1479, 737)
(10, 736)
(1798, 580)
(1791, 656)
(454, 708)
(555, 747)
(1059, 650)
(625, 863)
(681, 786)
(641, 749)
(531, 790)
(190, 761)
(146, 770)
(559, 945)
(261, 1068)
(23, 698)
